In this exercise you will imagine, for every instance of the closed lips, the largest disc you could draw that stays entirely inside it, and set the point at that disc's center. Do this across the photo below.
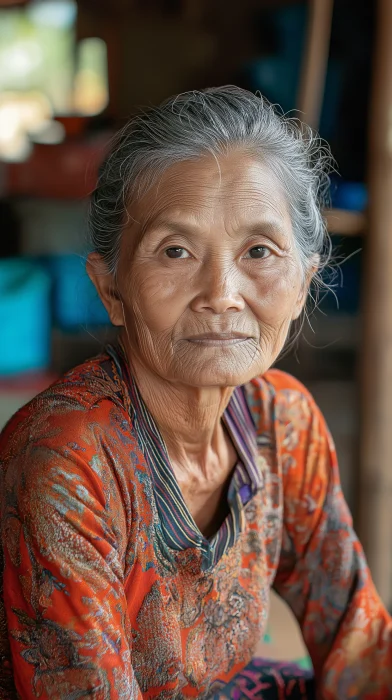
(220, 338)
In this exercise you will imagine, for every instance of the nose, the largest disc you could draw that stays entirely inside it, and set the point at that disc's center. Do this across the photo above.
(219, 290)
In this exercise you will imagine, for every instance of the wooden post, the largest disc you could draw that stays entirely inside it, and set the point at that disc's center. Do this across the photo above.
(314, 62)
(375, 483)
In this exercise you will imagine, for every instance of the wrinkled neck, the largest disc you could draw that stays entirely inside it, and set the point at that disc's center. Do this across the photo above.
(189, 418)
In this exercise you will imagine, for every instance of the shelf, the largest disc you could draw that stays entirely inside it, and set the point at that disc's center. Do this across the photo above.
(64, 171)
(345, 223)
(332, 331)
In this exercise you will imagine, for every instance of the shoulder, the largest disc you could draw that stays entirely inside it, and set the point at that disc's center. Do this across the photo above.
(291, 426)
(288, 419)
(279, 384)
(80, 413)
(92, 385)
(72, 449)
(283, 382)
(279, 397)
(86, 385)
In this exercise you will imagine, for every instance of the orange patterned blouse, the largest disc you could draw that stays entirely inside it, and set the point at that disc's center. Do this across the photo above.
(109, 590)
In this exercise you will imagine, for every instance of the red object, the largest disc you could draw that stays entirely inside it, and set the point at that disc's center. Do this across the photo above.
(64, 171)
(10, 3)
(74, 125)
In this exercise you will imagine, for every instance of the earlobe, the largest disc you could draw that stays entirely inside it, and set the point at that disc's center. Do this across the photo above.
(304, 291)
(116, 312)
(301, 301)
(103, 281)
(300, 304)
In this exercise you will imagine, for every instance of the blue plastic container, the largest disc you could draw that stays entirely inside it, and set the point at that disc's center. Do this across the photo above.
(76, 303)
(351, 196)
(24, 317)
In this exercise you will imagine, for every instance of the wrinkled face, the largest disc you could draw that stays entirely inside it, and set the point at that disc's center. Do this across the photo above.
(211, 289)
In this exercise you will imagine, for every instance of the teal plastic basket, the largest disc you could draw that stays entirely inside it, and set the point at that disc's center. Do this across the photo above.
(75, 300)
(24, 317)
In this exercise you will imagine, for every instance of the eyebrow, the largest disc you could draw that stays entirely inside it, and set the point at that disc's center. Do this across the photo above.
(267, 225)
(173, 226)
(263, 226)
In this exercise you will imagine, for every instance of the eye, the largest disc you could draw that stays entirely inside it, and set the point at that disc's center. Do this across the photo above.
(258, 252)
(175, 253)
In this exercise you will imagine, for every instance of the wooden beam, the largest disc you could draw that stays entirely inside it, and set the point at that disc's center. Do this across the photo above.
(345, 223)
(315, 61)
(375, 478)
(12, 3)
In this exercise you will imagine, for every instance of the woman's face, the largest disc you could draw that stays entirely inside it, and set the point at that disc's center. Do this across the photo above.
(211, 289)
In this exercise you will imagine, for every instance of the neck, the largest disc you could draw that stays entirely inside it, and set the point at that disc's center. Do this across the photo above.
(189, 418)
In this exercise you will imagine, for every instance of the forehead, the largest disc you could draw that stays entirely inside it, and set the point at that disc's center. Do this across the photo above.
(236, 185)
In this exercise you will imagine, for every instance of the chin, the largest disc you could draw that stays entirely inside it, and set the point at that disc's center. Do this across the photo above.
(217, 374)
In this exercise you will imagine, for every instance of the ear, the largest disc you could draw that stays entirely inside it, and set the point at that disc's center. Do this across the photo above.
(105, 285)
(304, 291)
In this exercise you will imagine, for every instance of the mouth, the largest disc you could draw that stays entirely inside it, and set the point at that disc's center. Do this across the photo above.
(219, 339)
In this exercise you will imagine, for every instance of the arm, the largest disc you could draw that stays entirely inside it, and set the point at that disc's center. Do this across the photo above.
(323, 575)
(63, 532)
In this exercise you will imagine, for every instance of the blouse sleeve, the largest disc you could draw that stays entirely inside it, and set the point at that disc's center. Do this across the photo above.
(62, 528)
(322, 573)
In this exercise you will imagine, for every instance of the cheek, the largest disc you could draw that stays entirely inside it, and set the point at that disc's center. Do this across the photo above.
(161, 298)
(275, 294)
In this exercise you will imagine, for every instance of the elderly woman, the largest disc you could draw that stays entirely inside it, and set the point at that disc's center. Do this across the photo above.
(154, 495)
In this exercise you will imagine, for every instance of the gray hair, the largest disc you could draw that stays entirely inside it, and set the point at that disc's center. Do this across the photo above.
(213, 121)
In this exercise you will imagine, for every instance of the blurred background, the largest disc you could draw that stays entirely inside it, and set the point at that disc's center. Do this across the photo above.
(71, 73)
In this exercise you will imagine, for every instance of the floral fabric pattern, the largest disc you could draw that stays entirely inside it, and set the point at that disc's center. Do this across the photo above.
(95, 603)
(265, 679)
